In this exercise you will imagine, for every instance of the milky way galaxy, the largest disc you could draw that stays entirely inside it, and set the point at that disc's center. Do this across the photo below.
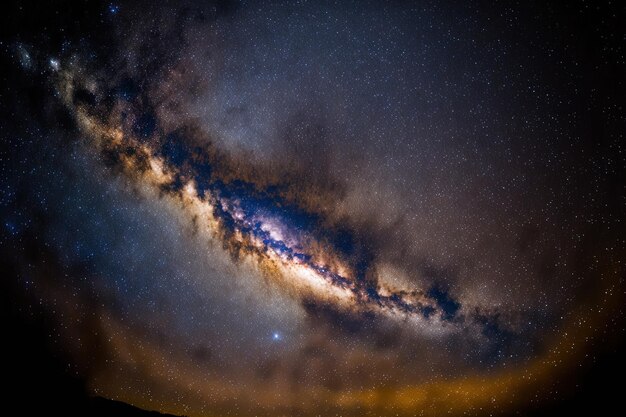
(315, 208)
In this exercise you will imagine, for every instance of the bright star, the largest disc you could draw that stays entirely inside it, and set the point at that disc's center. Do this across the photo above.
(54, 63)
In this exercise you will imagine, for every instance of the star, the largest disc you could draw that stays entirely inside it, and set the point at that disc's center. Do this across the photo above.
(54, 64)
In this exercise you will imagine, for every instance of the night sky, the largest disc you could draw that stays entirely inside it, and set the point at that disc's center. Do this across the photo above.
(350, 208)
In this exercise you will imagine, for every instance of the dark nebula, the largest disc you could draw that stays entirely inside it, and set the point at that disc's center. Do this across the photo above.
(313, 208)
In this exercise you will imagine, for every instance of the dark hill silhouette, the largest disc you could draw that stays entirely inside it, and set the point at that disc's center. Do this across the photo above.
(101, 407)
